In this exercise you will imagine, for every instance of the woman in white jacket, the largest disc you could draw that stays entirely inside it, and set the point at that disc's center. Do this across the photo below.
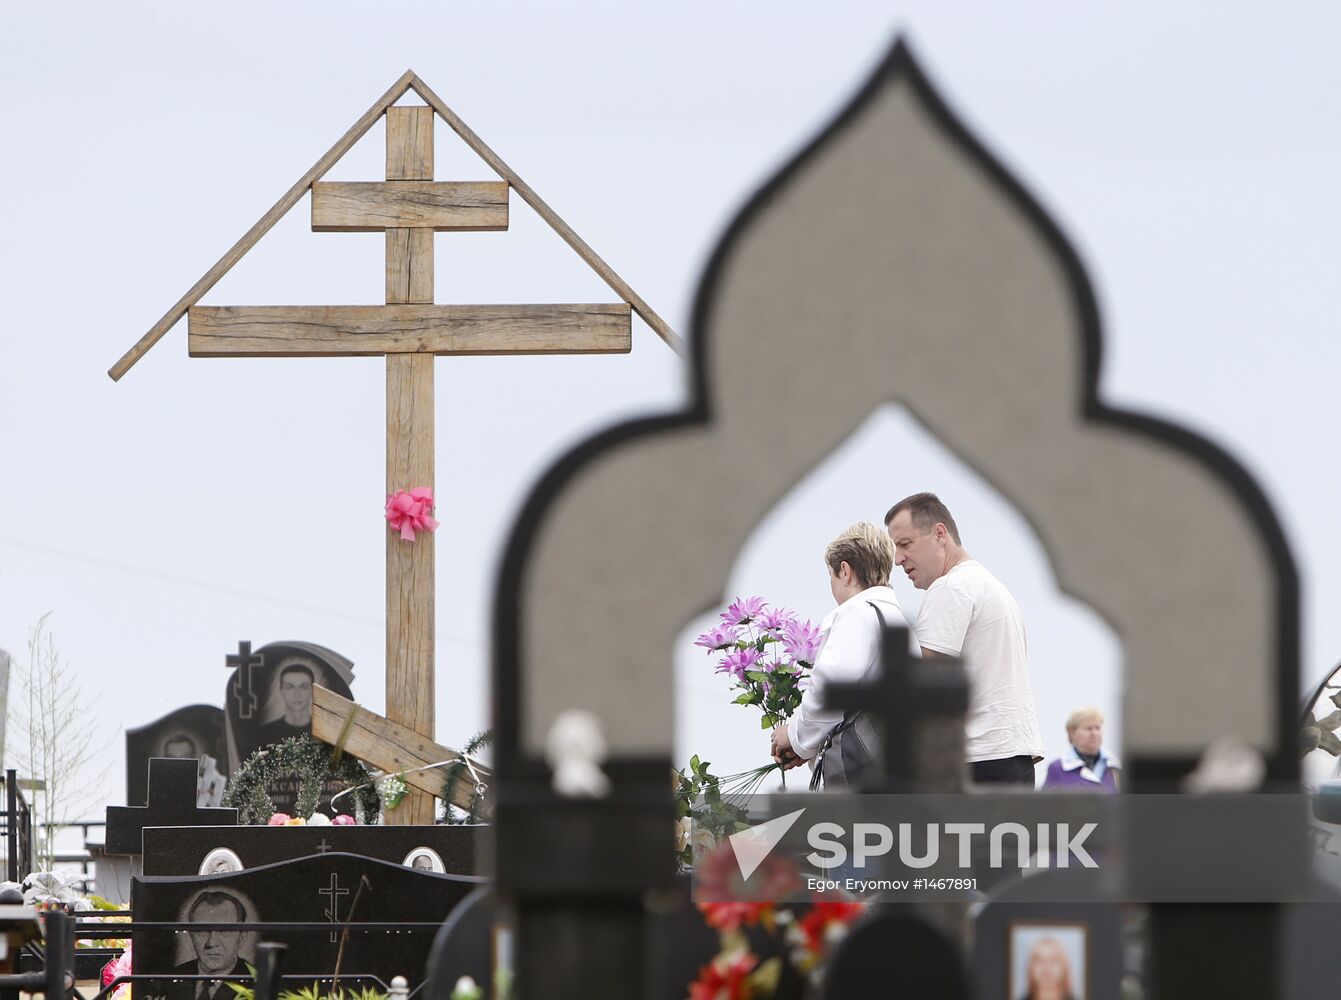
(859, 563)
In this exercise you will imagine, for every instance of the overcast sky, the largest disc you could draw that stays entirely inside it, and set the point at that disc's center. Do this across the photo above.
(1191, 153)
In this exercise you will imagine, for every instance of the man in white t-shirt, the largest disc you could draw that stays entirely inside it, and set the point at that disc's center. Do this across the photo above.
(968, 613)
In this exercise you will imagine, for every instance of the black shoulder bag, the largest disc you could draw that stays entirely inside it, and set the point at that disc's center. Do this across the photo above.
(847, 750)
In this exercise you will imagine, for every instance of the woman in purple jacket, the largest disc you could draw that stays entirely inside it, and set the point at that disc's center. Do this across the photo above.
(1086, 765)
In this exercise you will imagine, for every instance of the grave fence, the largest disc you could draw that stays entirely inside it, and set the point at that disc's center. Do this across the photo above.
(87, 928)
(18, 832)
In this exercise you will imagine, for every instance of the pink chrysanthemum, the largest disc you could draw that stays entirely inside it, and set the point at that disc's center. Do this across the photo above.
(743, 610)
(738, 661)
(718, 637)
(801, 641)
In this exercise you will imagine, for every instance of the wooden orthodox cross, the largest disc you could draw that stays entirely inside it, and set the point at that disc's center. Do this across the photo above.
(409, 330)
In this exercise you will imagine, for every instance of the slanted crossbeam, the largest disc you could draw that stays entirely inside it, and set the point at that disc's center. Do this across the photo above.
(390, 747)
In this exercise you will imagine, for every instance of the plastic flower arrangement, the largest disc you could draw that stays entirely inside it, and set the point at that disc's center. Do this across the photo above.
(120, 966)
(767, 652)
(393, 789)
(708, 807)
(736, 975)
(54, 891)
(813, 936)
(316, 819)
(807, 940)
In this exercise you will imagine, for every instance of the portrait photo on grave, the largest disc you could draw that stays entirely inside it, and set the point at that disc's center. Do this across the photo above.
(219, 860)
(1047, 962)
(212, 951)
(193, 732)
(425, 859)
(288, 706)
(268, 697)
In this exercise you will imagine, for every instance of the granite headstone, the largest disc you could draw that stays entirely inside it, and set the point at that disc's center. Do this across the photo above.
(326, 889)
(193, 732)
(268, 697)
(1023, 936)
(171, 802)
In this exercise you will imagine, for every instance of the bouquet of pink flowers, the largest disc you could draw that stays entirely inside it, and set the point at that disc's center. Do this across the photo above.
(767, 652)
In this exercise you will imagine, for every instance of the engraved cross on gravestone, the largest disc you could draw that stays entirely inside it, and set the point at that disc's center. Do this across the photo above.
(332, 912)
(172, 802)
(245, 661)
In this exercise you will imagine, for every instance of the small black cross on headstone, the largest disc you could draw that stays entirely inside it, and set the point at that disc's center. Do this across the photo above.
(907, 694)
(172, 802)
(244, 661)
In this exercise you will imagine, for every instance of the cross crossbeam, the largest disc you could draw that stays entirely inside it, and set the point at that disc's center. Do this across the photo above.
(388, 746)
(441, 206)
(408, 328)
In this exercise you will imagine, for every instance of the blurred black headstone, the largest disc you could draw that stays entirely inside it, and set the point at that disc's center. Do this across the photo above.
(193, 732)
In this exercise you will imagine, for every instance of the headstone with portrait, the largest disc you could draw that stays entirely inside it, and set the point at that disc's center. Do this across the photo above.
(450, 850)
(196, 732)
(268, 699)
(1027, 943)
(329, 889)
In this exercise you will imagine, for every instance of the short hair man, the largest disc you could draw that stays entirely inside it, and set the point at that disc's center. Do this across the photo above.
(216, 950)
(295, 691)
(967, 612)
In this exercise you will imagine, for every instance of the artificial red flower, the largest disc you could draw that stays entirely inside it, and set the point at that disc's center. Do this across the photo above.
(725, 978)
(816, 924)
(732, 916)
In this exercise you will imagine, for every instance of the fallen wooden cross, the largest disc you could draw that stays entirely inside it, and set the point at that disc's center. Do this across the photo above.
(391, 747)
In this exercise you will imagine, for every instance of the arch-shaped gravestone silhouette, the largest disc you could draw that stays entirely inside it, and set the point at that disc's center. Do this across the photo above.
(892, 260)
(895, 259)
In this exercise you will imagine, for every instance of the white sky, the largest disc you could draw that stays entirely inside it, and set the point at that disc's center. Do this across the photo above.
(1190, 152)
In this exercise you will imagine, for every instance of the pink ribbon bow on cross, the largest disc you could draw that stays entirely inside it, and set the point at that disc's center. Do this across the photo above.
(408, 511)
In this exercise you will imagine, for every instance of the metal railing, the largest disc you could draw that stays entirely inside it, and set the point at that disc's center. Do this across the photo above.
(18, 833)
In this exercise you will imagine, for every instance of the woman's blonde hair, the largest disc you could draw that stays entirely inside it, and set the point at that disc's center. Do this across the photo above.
(1081, 716)
(867, 549)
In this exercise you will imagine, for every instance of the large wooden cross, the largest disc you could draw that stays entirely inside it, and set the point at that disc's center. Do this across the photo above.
(409, 330)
